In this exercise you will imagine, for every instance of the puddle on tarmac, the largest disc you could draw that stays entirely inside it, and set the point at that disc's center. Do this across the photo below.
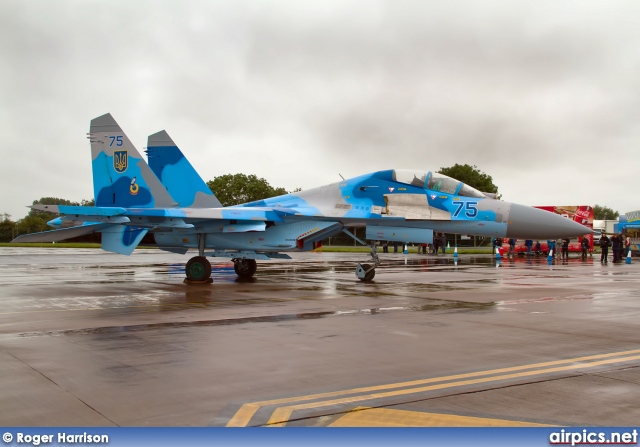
(438, 305)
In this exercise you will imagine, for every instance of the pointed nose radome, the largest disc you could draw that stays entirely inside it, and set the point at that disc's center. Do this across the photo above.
(526, 222)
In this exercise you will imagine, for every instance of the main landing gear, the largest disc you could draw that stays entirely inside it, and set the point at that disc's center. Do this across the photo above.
(366, 272)
(245, 268)
(198, 269)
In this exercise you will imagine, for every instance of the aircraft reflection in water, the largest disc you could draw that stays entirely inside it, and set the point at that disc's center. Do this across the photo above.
(170, 199)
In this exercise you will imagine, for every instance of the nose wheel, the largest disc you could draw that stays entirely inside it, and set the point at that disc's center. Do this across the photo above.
(366, 272)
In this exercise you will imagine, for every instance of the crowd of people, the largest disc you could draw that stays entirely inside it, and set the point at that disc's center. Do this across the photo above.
(560, 248)
(620, 247)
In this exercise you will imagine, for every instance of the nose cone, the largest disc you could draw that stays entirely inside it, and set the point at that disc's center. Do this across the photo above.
(526, 222)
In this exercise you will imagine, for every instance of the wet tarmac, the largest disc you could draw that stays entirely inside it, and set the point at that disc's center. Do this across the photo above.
(90, 338)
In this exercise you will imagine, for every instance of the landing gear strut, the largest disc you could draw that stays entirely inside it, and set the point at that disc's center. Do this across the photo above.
(198, 268)
(245, 268)
(366, 272)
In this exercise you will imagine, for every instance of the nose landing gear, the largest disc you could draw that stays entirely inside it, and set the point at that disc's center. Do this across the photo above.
(366, 272)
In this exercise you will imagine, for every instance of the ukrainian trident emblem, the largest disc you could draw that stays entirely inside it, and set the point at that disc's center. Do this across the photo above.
(120, 161)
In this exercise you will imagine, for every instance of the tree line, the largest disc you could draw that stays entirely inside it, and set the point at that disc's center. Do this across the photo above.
(235, 189)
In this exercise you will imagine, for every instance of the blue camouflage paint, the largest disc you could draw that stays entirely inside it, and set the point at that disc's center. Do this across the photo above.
(123, 196)
(122, 239)
(130, 235)
(162, 156)
(177, 175)
(124, 191)
(287, 204)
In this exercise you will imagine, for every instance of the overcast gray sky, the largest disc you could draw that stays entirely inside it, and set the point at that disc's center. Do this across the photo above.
(542, 95)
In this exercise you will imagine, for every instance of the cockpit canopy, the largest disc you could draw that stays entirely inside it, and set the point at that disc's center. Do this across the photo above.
(435, 182)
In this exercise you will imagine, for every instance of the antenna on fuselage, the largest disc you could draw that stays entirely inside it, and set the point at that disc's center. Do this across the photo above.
(341, 176)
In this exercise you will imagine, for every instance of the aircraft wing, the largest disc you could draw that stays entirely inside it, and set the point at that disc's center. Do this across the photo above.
(60, 235)
(140, 216)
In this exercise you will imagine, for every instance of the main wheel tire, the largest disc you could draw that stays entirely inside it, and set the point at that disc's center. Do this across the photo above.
(245, 268)
(198, 269)
(370, 274)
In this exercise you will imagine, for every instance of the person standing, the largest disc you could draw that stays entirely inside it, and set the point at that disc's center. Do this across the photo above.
(616, 245)
(385, 247)
(558, 251)
(565, 249)
(604, 247)
(551, 246)
(498, 245)
(395, 246)
(627, 246)
(436, 243)
(512, 247)
(529, 244)
(443, 243)
(584, 244)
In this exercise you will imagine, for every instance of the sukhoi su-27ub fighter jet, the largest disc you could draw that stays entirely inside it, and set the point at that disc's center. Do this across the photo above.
(168, 198)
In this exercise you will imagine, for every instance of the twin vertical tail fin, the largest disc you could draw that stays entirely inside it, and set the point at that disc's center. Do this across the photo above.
(121, 177)
(177, 175)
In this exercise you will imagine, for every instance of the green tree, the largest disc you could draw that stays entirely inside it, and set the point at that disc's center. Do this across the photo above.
(32, 224)
(7, 228)
(604, 213)
(472, 176)
(46, 215)
(234, 189)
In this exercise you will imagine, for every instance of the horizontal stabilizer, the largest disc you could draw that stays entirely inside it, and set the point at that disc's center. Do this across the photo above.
(77, 219)
(80, 210)
(61, 235)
